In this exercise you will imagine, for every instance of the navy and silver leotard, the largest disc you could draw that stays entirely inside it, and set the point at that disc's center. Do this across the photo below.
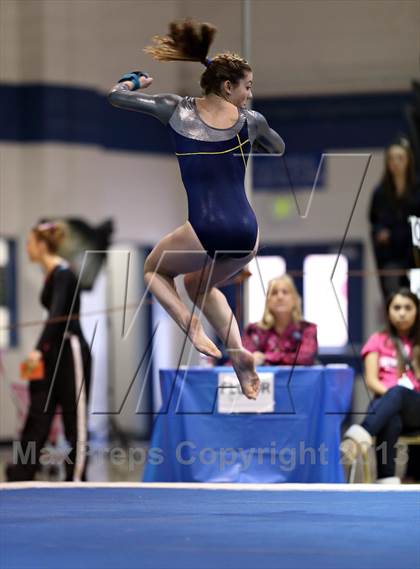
(212, 163)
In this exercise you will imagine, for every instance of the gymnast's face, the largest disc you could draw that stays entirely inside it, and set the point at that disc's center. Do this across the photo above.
(281, 300)
(34, 247)
(240, 93)
(402, 313)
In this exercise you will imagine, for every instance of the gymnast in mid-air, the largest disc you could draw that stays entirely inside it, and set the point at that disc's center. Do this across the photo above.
(213, 136)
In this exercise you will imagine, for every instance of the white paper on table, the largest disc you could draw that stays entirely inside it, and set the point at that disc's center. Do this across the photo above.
(230, 398)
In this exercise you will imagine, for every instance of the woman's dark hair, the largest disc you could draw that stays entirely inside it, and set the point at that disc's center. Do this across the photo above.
(414, 332)
(188, 40)
(51, 233)
(387, 181)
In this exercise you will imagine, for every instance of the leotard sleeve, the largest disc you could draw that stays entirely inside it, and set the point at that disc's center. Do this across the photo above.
(160, 106)
(264, 139)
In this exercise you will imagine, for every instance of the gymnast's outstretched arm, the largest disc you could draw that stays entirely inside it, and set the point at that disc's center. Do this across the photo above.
(264, 139)
(160, 106)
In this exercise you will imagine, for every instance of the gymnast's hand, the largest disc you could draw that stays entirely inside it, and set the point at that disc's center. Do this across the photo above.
(144, 83)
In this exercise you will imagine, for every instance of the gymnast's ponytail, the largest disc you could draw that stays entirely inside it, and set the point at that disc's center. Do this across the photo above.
(190, 41)
(186, 41)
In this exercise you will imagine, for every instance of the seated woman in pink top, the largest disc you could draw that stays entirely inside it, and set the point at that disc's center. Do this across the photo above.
(391, 366)
(282, 337)
(384, 352)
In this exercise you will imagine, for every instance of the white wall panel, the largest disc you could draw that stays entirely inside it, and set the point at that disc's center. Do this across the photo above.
(320, 46)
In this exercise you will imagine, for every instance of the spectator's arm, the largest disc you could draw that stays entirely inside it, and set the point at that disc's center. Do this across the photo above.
(308, 349)
(371, 362)
(251, 339)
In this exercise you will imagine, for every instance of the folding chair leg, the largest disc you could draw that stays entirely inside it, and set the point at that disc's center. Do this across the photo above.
(366, 466)
(352, 473)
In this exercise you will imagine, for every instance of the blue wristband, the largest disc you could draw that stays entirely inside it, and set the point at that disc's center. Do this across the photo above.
(134, 76)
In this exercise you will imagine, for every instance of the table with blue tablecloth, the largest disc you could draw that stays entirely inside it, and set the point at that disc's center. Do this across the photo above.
(296, 440)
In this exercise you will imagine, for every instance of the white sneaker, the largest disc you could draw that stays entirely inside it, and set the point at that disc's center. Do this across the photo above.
(358, 434)
(389, 480)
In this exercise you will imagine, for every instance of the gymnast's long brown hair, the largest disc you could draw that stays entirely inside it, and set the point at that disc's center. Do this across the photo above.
(188, 40)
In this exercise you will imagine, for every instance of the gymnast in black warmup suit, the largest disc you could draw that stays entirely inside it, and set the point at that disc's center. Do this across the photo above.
(213, 136)
(66, 356)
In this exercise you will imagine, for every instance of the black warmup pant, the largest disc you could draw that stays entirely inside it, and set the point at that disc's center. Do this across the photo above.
(68, 389)
(395, 413)
(392, 283)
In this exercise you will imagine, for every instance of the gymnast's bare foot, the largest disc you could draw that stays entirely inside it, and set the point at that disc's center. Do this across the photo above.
(201, 341)
(244, 366)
